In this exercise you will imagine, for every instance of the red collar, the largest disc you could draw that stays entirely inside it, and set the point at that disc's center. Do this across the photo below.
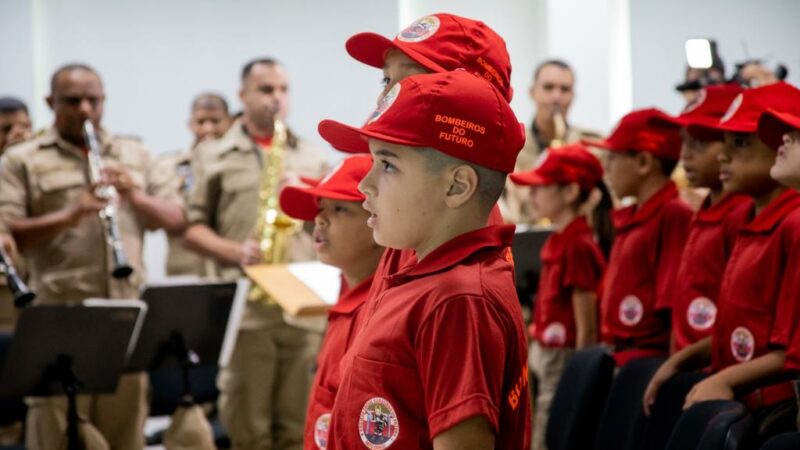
(555, 244)
(716, 213)
(772, 215)
(263, 142)
(352, 298)
(577, 227)
(636, 214)
(456, 250)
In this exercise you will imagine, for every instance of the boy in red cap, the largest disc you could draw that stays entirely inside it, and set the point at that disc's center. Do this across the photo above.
(341, 239)
(431, 44)
(711, 236)
(437, 43)
(756, 303)
(781, 131)
(440, 359)
(650, 235)
(565, 317)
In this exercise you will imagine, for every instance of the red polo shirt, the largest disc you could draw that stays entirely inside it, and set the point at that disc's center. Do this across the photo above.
(756, 306)
(790, 288)
(338, 336)
(570, 259)
(641, 271)
(443, 342)
(711, 237)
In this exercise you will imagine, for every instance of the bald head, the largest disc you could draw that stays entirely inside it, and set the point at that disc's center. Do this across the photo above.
(76, 96)
(210, 119)
(63, 74)
(210, 100)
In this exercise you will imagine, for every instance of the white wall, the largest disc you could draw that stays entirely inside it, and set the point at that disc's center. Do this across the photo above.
(769, 28)
(154, 56)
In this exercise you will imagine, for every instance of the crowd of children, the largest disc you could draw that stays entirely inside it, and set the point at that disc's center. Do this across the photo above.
(427, 347)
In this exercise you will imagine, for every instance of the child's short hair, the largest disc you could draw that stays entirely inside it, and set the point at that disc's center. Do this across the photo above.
(490, 182)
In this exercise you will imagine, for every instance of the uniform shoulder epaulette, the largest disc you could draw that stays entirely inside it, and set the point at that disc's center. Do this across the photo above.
(128, 137)
(172, 154)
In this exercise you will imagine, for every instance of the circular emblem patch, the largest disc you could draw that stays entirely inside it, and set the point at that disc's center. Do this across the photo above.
(737, 102)
(540, 160)
(420, 30)
(701, 98)
(377, 425)
(743, 344)
(385, 103)
(555, 334)
(701, 314)
(321, 431)
(631, 310)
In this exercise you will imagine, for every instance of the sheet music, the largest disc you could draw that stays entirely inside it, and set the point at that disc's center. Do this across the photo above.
(324, 280)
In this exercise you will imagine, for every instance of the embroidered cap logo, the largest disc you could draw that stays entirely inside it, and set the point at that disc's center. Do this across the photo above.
(420, 30)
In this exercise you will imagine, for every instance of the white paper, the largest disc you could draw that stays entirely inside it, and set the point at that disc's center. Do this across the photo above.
(324, 280)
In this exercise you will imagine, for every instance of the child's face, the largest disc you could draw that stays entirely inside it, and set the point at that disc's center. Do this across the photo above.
(341, 235)
(745, 164)
(700, 161)
(548, 201)
(404, 196)
(396, 67)
(622, 173)
(787, 163)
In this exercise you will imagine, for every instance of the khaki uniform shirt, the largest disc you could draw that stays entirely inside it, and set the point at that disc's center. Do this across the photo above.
(47, 173)
(515, 204)
(225, 197)
(172, 176)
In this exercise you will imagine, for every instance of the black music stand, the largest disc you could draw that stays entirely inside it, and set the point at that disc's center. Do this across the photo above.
(191, 324)
(66, 350)
(526, 246)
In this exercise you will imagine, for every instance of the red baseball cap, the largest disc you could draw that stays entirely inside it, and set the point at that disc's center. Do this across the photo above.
(341, 184)
(643, 131)
(710, 105)
(774, 124)
(442, 43)
(745, 110)
(457, 113)
(563, 165)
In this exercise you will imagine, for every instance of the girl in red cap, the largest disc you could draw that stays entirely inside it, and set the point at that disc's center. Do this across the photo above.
(565, 314)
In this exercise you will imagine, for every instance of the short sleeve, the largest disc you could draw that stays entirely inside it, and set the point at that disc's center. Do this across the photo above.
(461, 351)
(164, 181)
(13, 195)
(583, 266)
(198, 208)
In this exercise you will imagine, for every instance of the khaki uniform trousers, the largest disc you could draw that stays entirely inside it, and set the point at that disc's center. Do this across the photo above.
(118, 417)
(546, 365)
(264, 390)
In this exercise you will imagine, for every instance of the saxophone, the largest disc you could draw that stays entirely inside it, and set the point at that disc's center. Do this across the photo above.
(274, 229)
(559, 128)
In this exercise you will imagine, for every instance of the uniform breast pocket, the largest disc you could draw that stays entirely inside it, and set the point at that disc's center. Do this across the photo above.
(386, 407)
(57, 190)
(239, 189)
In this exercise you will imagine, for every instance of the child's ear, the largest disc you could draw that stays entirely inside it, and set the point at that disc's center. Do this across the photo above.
(462, 186)
(571, 193)
(645, 163)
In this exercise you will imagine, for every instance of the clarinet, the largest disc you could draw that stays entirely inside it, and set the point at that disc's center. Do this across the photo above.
(22, 295)
(108, 215)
